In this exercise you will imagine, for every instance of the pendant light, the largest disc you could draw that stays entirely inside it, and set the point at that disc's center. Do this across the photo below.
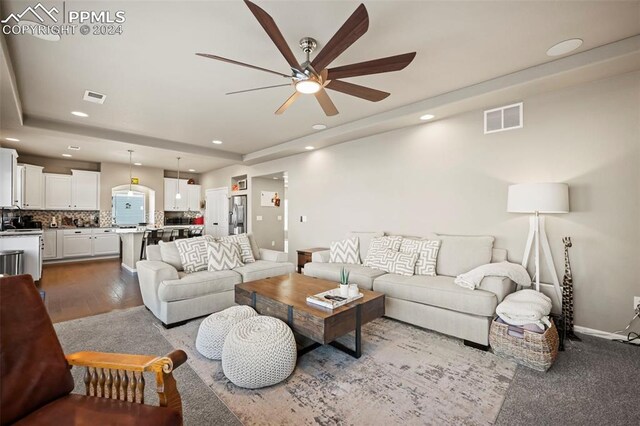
(130, 192)
(178, 196)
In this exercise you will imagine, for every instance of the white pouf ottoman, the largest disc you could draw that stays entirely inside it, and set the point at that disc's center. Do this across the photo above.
(260, 351)
(214, 329)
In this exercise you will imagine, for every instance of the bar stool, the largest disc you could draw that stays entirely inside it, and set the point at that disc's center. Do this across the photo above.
(179, 233)
(151, 236)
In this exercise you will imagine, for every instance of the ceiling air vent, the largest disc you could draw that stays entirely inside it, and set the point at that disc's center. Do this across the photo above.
(504, 118)
(95, 97)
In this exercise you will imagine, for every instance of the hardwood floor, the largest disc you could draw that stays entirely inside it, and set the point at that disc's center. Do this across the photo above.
(81, 289)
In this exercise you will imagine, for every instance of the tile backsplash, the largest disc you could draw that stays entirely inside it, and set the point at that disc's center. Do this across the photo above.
(45, 216)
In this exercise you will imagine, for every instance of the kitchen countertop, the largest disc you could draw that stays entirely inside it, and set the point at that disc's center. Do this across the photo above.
(20, 232)
(142, 229)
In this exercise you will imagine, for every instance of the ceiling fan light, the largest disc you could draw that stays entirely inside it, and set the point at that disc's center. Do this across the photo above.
(308, 87)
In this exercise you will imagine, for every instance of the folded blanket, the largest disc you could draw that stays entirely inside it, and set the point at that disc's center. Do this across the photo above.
(472, 279)
(525, 307)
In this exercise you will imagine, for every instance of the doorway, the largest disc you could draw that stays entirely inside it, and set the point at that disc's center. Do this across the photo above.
(217, 212)
(269, 211)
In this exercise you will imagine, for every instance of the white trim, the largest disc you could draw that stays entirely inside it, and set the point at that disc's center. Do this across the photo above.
(129, 269)
(602, 334)
(79, 259)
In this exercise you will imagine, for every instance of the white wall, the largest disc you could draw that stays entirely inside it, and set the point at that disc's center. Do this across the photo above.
(447, 176)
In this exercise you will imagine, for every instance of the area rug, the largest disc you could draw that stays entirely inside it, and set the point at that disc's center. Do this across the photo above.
(406, 375)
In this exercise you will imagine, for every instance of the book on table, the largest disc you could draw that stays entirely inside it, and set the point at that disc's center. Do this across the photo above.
(331, 299)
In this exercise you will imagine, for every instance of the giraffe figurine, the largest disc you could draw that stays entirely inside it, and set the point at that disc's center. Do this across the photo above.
(567, 292)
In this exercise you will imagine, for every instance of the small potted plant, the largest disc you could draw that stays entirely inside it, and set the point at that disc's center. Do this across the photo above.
(344, 283)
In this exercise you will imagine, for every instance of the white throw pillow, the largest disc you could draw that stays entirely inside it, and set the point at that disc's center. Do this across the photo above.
(193, 253)
(379, 246)
(395, 262)
(223, 256)
(345, 251)
(169, 254)
(364, 241)
(427, 251)
(245, 246)
(459, 254)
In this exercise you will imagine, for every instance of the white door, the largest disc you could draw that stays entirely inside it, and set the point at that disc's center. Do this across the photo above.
(57, 192)
(85, 190)
(50, 244)
(33, 187)
(217, 212)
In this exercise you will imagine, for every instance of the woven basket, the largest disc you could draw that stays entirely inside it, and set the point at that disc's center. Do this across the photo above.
(534, 350)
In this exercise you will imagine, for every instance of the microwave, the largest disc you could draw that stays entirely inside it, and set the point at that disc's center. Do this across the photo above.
(242, 184)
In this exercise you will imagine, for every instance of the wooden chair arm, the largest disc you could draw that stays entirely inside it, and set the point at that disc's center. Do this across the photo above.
(128, 362)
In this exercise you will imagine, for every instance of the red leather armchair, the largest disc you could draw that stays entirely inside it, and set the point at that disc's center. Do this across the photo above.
(36, 381)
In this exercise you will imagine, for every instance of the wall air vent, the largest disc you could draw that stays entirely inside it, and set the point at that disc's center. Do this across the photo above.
(95, 97)
(508, 117)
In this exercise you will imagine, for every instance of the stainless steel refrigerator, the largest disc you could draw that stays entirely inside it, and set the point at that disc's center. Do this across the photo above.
(237, 214)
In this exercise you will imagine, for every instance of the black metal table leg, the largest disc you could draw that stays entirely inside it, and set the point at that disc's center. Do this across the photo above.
(357, 352)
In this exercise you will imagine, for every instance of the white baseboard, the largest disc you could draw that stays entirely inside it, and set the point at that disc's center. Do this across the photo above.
(129, 269)
(79, 259)
(602, 334)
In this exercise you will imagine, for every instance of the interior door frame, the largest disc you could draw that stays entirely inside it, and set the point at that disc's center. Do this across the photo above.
(207, 213)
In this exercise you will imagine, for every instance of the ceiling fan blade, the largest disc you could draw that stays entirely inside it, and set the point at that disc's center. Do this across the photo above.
(376, 66)
(288, 103)
(231, 61)
(351, 30)
(257, 88)
(363, 92)
(274, 33)
(325, 102)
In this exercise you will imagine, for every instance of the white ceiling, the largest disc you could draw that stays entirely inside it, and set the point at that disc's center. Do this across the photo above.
(156, 87)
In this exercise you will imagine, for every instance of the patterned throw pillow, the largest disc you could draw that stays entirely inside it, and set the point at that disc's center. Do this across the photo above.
(379, 246)
(395, 262)
(223, 256)
(242, 240)
(193, 253)
(345, 251)
(427, 251)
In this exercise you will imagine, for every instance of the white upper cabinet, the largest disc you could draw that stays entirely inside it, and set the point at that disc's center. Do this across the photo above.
(32, 187)
(80, 191)
(85, 190)
(57, 194)
(189, 195)
(8, 177)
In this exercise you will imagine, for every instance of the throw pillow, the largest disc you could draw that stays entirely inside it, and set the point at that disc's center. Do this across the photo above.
(223, 256)
(459, 254)
(169, 254)
(193, 253)
(245, 246)
(427, 251)
(379, 246)
(345, 251)
(395, 262)
(364, 241)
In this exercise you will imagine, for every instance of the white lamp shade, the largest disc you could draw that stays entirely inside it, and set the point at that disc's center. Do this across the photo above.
(538, 197)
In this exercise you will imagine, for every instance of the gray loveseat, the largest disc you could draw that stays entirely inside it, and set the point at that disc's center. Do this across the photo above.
(174, 296)
(433, 302)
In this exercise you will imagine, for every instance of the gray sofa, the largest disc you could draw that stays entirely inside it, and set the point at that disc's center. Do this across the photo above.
(433, 302)
(174, 296)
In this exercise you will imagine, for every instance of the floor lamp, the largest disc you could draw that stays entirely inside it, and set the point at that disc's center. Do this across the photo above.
(537, 199)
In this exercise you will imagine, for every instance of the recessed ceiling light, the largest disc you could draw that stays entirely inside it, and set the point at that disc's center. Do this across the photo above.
(12, 139)
(73, 148)
(308, 148)
(427, 117)
(217, 142)
(137, 164)
(564, 47)
(275, 177)
(192, 170)
(67, 155)
(80, 114)
(319, 126)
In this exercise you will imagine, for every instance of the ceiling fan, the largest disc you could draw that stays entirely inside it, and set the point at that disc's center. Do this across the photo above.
(313, 76)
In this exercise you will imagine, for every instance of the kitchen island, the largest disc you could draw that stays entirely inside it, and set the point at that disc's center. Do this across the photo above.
(132, 242)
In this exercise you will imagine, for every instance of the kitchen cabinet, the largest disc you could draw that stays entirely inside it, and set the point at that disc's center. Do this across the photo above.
(85, 190)
(8, 177)
(32, 182)
(50, 237)
(80, 191)
(77, 243)
(31, 244)
(57, 191)
(105, 242)
(189, 195)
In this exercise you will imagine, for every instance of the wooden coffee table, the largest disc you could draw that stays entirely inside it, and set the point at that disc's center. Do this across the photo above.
(285, 297)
